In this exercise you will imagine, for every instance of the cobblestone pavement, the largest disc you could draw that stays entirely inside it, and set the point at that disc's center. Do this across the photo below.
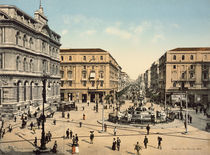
(197, 141)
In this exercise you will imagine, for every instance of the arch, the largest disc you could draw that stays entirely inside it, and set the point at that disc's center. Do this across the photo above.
(31, 65)
(24, 90)
(24, 64)
(30, 42)
(31, 90)
(18, 90)
(24, 40)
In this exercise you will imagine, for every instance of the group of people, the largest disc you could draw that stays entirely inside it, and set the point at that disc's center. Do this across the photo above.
(116, 144)
(69, 134)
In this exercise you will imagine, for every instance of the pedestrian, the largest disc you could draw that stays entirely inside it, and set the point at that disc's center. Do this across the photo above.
(49, 135)
(148, 128)
(190, 119)
(68, 115)
(35, 142)
(105, 127)
(114, 144)
(185, 124)
(159, 142)
(76, 138)
(54, 121)
(83, 108)
(80, 124)
(145, 141)
(118, 143)
(137, 148)
(54, 150)
(88, 103)
(71, 133)
(91, 137)
(115, 131)
(31, 125)
(73, 140)
(83, 116)
(10, 128)
(67, 133)
(3, 133)
(15, 118)
(34, 129)
(196, 110)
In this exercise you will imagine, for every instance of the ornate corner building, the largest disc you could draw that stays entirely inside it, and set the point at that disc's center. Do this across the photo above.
(88, 75)
(29, 50)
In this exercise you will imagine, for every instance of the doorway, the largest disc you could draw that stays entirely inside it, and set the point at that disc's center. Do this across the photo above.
(92, 97)
(84, 98)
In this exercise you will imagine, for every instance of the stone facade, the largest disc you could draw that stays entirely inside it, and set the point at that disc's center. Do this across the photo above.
(185, 67)
(29, 50)
(88, 75)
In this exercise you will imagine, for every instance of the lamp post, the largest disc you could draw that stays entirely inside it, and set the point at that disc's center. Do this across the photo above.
(43, 141)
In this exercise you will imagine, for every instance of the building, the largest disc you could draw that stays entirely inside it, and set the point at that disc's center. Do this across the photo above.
(29, 51)
(185, 67)
(124, 81)
(88, 75)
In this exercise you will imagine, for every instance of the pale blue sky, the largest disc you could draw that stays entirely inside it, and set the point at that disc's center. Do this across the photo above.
(135, 32)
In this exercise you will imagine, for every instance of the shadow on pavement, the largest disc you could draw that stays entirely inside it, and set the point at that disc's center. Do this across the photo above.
(109, 147)
(84, 140)
(130, 153)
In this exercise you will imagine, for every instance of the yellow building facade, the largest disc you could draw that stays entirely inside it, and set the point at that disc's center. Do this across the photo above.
(88, 75)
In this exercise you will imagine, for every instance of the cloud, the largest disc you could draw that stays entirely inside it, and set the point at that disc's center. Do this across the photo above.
(90, 32)
(175, 26)
(158, 37)
(64, 32)
(118, 32)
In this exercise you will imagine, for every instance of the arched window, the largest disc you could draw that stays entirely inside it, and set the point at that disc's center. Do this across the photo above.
(17, 62)
(183, 57)
(191, 57)
(174, 57)
(31, 66)
(18, 91)
(24, 40)
(56, 70)
(30, 42)
(24, 93)
(24, 64)
(17, 37)
(31, 91)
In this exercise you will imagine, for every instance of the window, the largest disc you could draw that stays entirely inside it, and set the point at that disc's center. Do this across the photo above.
(31, 66)
(183, 75)
(84, 57)
(102, 83)
(174, 66)
(191, 67)
(84, 75)
(101, 57)
(69, 74)
(30, 42)
(70, 58)
(205, 76)
(93, 83)
(183, 57)
(93, 57)
(191, 84)
(92, 67)
(191, 57)
(62, 74)
(70, 83)
(24, 40)
(24, 64)
(102, 75)
(84, 67)
(191, 75)
(17, 37)
(84, 83)
(17, 62)
(204, 84)
(61, 58)
(174, 57)
(174, 84)
(1, 61)
(62, 82)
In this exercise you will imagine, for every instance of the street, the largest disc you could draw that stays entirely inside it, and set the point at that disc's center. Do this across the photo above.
(196, 141)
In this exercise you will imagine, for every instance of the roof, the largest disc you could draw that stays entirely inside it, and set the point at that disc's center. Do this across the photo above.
(83, 50)
(192, 49)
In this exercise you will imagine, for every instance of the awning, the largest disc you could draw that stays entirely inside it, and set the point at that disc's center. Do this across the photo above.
(92, 75)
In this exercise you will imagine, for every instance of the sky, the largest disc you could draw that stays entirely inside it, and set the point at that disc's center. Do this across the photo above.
(135, 32)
